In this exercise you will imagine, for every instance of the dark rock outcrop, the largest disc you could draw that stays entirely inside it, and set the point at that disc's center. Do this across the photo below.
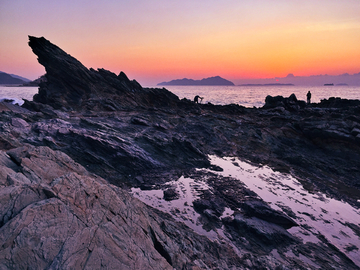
(291, 103)
(69, 84)
(339, 103)
(41, 79)
(171, 194)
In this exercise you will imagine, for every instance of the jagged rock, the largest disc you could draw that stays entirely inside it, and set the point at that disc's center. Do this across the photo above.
(211, 214)
(264, 231)
(171, 194)
(262, 211)
(19, 123)
(209, 207)
(70, 85)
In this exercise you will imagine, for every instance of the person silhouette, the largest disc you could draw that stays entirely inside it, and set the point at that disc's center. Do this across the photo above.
(308, 95)
(196, 98)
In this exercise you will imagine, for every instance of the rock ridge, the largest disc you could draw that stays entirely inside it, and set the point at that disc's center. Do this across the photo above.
(69, 84)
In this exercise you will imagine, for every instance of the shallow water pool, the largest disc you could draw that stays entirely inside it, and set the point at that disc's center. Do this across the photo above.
(320, 218)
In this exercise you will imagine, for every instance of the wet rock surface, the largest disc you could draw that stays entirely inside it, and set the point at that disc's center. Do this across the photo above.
(69, 158)
(55, 214)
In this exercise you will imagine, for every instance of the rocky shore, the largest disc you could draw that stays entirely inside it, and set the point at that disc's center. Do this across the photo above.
(70, 158)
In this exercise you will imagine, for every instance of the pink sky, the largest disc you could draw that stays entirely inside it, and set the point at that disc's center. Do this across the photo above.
(155, 41)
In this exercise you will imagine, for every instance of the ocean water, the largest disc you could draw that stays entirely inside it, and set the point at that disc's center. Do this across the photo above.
(248, 96)
(17, 93)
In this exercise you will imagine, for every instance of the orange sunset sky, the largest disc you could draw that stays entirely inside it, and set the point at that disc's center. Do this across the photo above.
(155, 41)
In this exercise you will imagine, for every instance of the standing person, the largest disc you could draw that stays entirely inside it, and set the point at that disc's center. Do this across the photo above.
(308, 95)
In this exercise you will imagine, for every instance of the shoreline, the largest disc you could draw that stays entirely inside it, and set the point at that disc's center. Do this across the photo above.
(72, 158)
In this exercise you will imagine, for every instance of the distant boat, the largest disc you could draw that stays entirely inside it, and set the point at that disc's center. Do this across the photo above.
(328, 84)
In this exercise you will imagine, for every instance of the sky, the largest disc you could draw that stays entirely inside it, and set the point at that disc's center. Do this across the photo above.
(161, 40)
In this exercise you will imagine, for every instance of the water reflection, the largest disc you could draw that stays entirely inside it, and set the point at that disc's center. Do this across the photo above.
(250, 96)
(17, 93)
(315, 213)
(182, 208)
(320, 218)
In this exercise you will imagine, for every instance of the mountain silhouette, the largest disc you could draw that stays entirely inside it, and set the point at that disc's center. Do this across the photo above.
(6, 78)
(217, 80)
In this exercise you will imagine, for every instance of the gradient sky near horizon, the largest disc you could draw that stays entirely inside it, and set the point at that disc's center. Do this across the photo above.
(155, 41)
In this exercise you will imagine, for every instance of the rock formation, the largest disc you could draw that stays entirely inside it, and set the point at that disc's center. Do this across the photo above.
(69, 158)
(70, 85)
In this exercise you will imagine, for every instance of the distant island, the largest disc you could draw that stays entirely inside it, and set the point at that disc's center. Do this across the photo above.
(15, 80)
(6, 78)
(217, 80)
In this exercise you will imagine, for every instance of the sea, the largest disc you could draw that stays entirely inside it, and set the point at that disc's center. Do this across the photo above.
(247, 96)
(17, 93)
(254, 96)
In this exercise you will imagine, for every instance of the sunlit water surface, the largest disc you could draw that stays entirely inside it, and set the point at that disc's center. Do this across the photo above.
(17, 93)
(250, 96)
(315, 213)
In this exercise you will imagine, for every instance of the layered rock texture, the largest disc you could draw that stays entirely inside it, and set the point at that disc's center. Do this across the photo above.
(69, 158)
(56, 215)
(70, 85)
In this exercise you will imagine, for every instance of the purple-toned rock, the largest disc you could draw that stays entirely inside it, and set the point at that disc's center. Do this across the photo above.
(171, 194)
(54, 214)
